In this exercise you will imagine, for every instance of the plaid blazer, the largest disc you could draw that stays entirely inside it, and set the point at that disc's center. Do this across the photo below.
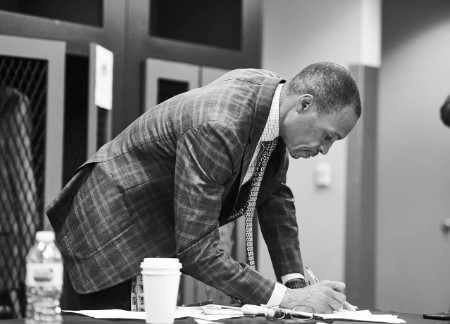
(166, 183)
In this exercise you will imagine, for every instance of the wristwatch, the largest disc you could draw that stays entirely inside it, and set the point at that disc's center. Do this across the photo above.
(295, 283)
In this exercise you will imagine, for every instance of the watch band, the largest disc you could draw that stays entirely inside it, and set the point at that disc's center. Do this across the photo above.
(295, 283)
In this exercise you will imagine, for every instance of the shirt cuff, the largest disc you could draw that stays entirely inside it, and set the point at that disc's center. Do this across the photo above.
(277, 295)
(291, 276)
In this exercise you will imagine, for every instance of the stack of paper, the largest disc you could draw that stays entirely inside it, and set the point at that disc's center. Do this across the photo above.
(218, 313)
(181, 312)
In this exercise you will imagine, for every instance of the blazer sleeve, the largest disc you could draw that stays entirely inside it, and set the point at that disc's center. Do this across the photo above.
(207, 157)
(278, 222)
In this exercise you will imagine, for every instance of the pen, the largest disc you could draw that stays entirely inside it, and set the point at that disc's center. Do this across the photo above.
(312, 275)
(202, 303)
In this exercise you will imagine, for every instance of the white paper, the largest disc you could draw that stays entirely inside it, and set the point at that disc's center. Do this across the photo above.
(363, 316)
(123, 314)
(208, 313)
(103, 77)
(200, 321)
(110, 313)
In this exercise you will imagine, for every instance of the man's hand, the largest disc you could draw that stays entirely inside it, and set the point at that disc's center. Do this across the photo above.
(324, 297)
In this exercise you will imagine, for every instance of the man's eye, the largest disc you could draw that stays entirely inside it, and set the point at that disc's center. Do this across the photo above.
(328, 137)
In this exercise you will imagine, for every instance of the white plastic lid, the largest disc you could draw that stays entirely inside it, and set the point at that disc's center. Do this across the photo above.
(161, 263)
(45, 236)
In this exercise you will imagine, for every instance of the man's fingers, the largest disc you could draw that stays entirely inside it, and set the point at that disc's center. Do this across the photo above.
(334, 304)
(332, 300)
(350, 307)
(338, 299)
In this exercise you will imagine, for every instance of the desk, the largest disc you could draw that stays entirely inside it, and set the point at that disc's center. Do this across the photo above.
(79, 319)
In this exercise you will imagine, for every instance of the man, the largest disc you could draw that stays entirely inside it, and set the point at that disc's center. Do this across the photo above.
(164, 185)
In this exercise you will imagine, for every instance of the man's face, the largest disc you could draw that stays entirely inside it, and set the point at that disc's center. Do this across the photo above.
(308, 133)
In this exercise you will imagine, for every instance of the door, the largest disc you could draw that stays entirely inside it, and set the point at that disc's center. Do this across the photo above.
(166, 79)
(31, 142)
(413, 180)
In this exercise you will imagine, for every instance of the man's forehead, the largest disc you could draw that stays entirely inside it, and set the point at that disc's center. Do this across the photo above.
(346, 121)
(342, 122)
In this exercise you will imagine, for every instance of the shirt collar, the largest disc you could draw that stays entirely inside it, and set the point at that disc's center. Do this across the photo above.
(272, 128)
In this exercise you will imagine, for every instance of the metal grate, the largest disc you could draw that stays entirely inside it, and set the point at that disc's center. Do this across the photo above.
(23, 86)
(170, 88)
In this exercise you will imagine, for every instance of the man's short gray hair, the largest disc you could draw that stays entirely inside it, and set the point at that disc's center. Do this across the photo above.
(332, 86)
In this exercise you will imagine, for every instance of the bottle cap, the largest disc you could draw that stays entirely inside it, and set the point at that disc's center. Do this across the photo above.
(45, 236)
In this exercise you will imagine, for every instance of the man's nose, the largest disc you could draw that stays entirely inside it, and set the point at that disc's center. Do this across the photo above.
(323, 149)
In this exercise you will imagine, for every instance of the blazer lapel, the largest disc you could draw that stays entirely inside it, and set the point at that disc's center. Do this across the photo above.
(262, 110)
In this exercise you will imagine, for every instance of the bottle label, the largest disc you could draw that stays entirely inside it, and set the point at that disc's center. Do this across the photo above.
(44, 274)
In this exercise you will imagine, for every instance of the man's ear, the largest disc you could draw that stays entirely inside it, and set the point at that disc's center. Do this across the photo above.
(305, 102)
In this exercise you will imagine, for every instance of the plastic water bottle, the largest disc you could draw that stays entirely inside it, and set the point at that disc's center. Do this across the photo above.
(44, 280)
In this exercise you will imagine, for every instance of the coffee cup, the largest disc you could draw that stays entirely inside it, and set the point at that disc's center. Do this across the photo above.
(161, 277)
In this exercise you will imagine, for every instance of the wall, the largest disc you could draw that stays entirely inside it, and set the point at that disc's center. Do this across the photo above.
(413, 254)
(295, 34)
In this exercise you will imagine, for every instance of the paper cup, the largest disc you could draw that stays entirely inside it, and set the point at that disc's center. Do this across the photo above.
(161, 278)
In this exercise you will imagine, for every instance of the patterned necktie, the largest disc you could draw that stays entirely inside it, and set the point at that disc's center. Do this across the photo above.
(249, 208)
(137, 294)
